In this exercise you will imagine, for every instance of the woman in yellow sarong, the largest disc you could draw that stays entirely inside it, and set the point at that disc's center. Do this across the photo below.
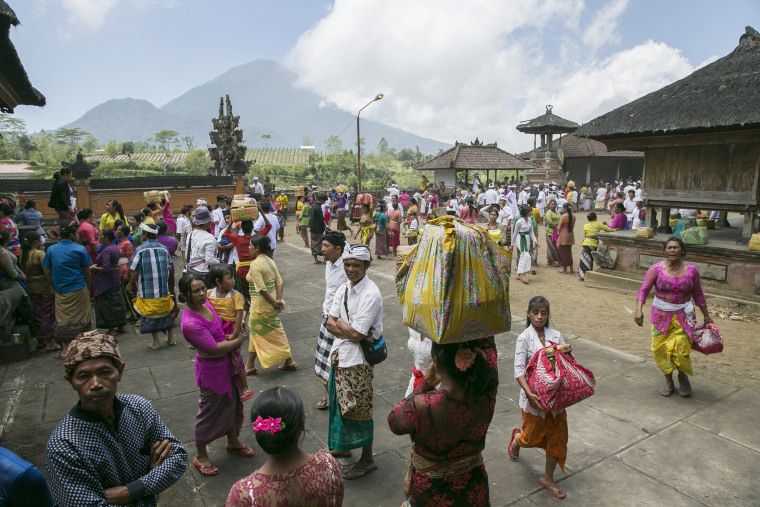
(268, 339)
(366, 225)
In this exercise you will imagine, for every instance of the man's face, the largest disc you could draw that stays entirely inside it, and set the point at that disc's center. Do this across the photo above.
(222, 204)
(355, 269)
(95, 381)
(330, 251)
(394, 199)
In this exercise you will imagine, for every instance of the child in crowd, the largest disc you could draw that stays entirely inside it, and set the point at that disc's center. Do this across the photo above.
(229, 305)
(547, 430)
(413, 230)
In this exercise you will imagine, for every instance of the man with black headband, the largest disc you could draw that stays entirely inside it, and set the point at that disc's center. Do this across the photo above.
(356, 314)
(109, 449)
(333, 244)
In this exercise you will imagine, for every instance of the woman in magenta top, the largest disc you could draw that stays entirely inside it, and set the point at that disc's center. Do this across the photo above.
(672, 315)
(220, 410)
(620, 220)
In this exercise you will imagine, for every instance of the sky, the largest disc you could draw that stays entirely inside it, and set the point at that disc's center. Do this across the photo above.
(449, 69)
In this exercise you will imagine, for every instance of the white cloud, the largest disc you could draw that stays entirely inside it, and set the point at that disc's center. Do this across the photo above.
(90, 13)
(453, 73)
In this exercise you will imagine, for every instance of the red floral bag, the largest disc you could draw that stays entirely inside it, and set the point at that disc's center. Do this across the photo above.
(562, 386)
(707, 339)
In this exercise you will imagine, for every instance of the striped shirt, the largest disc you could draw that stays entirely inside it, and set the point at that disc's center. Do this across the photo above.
(152, 261)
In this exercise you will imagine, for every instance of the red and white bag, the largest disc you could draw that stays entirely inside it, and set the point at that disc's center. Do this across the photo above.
(707, 339)
(566, 385)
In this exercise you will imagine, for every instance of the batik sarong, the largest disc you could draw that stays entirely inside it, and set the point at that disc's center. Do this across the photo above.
(316, 243)
(156, 314)
(342, 226)
(110, 311)
(565, 256)
(218, 414)
(268, 338)
(552, 254)
(322, 355)
(586, 263)
(671, 351)
(43, 310)
(381, 244)
(549, 434)
(73, 314)
(350, 424)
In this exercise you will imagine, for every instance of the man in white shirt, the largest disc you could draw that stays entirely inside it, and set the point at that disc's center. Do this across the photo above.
(492, 196)
(522, 197)
(356, 314)
(182, 221)
(393, 190)
(637, 189)
(257, 188)
(218, 215)
(512, 200)
(476, 183)
(333, 244)
(200, 251)
(541, 199)
(260, 224)
(389, 206)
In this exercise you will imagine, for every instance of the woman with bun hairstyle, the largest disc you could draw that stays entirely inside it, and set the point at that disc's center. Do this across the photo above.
(289, 476)
(448, 425)
(268, 339)
(220, 411)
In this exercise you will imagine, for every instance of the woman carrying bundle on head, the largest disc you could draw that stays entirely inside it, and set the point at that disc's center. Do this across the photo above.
(448, 425)
(289, 476)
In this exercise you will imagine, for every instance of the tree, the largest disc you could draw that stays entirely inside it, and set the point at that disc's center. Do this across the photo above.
(11, 125)
(128, 148)
(90, 144)
(334, 145)
(189, 142)
(70, 137)
(112, 150)
(266, 138)
(197, 163)
(382, 146)
(307, 141)
(166, 138)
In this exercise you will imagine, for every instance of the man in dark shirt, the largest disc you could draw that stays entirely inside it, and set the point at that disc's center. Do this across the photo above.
(317, 227)
(109, 449)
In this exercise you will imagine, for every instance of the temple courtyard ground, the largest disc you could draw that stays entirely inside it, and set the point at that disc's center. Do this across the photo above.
(628, 445)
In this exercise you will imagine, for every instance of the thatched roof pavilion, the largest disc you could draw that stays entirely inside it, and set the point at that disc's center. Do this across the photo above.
(15, 88)
(476, 157)
(700, 136)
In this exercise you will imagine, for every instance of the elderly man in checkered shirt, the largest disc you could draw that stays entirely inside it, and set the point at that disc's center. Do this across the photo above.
(109, 449)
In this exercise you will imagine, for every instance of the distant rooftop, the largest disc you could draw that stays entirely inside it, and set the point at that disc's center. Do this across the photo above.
(548, 123)
(474, 156)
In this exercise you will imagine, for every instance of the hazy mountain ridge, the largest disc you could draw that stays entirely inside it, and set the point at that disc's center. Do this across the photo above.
(263, 95)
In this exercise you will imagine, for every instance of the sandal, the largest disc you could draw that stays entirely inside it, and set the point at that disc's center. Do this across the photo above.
(244, 451)
(151, 347)
(247, 395)
(358, 472)
(285, 367)
(558, 493)
(513, 455)
(664, 391)
(323, 405)
(684, 391)
(205, 470)
(254, 371)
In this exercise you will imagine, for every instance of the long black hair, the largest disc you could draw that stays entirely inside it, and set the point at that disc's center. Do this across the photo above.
(263, 243)
(538, 302)
(477, 379)
(26, 246)
(119, 209)
(278, 403)
(569, 208)
(184, 286)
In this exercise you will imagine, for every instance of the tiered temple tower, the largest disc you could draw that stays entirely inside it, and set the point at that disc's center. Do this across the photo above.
(229, 153)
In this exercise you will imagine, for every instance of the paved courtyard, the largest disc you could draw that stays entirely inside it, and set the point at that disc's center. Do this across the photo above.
(628, 445)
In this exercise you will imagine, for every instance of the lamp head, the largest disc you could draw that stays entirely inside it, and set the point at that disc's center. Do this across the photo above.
(379, 96)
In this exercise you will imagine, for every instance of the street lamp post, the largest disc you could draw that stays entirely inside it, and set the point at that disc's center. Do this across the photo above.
(359, 143)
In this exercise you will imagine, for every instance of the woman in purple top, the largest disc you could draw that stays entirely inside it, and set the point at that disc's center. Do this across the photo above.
(220, 410)
(672, 315)
(110, 310)
(620, 220)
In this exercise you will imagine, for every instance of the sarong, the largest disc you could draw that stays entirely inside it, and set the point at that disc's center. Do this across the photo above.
(586, 263)
(395, 240)
(316, 243)
(349, 390)
(342, 226)
(322, 355)
(73, 314)
(671, 351)
(218, 414)
(237, 359)
(156, 314)
(110, 311)
(381, 245)
(523, 264)
(268, 338)
(43, 309)
(461, 481)
(549, 433)
(304, 232)
(565, 256)
(552, 254)
(367, 233)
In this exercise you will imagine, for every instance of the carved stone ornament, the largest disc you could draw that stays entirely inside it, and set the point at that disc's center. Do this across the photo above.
(81, 170)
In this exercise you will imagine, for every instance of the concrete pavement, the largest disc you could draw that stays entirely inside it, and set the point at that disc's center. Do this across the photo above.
(628, 445)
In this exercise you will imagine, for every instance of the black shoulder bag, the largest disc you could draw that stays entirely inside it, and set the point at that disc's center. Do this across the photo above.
(374, 349)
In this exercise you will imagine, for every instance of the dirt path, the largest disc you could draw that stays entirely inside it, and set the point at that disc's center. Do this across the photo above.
(606, 317)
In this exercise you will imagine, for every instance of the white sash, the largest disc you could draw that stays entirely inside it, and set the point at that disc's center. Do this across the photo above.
(687, 307)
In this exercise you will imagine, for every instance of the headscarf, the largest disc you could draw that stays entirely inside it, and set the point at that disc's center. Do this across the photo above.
(90, 345)
(358, 252)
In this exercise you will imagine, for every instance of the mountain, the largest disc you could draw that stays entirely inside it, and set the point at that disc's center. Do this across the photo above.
(264, 95)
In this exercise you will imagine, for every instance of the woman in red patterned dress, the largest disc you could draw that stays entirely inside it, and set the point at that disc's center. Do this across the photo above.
(448, 425)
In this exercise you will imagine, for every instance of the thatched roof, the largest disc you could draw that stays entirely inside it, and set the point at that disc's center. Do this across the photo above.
(15, 87)
(548, 123)
(722, 96)
(474, 156)
(576, 147)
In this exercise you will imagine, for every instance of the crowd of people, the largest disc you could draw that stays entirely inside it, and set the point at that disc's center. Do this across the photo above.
(81, 292)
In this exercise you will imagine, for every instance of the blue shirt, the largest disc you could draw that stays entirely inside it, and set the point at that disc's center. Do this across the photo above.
(30, 217)
(152, 261)
(21, 483)
(66, 260)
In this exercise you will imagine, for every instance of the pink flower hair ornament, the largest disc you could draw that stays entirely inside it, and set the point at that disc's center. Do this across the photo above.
(269, 424)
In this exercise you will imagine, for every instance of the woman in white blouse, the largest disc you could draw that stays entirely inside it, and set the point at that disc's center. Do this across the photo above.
(523, 237)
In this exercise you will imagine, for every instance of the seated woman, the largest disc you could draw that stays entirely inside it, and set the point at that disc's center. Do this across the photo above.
(12, 278)
(289, 476)
(448, 425)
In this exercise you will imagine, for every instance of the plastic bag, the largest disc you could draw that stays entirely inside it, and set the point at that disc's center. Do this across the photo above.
(565, 385)
(694, 236)
(707, 339)
(754, 242)
(454, 285)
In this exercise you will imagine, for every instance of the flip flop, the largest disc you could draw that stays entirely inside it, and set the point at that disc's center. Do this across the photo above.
(171, 344)
(560, 493)
(323, 405)
(151, 347)
(664, 391)
(685, 392)
(362, 471)
(244, 451)
(514, 457)
(336, 454)
(292, 367)
(205, 470)
(247, 395)
(254, 371)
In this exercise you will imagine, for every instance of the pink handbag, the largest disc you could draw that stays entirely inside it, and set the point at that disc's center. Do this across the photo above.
(707, 339)
(567, 385)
